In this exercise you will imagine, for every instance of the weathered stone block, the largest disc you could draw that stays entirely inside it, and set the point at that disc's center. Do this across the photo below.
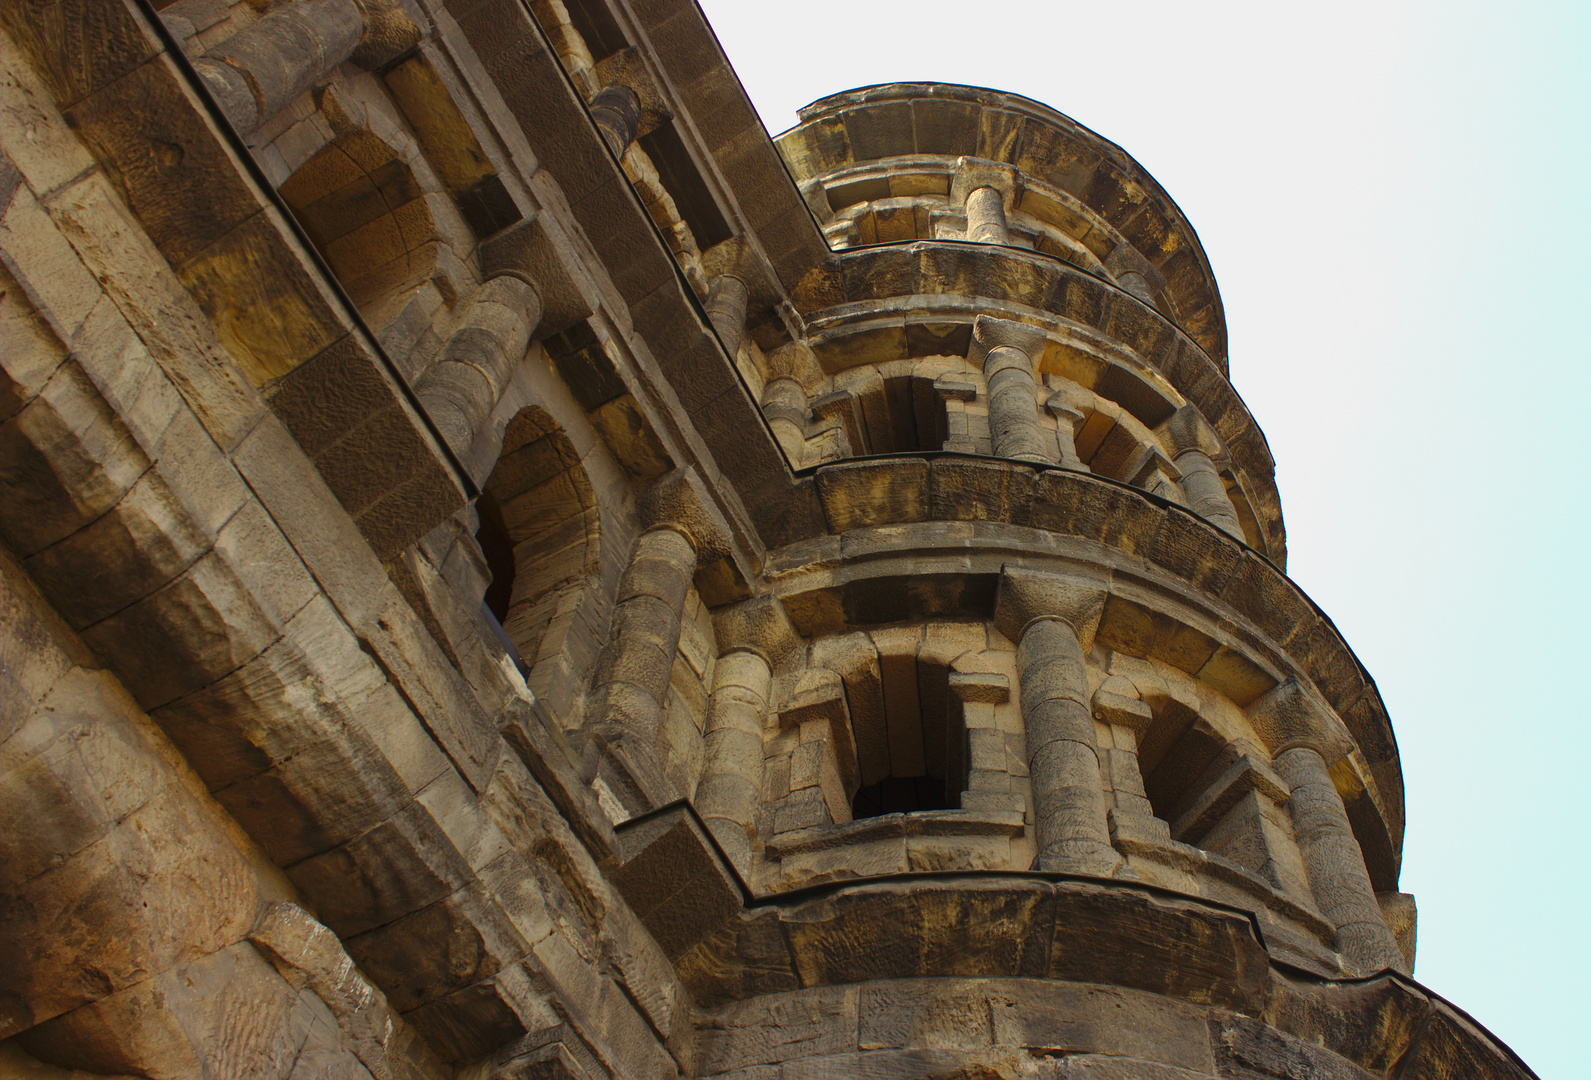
(668, 854)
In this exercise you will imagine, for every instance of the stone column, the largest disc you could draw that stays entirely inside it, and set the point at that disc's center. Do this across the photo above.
(731, 784)
(1008, 351)
(1195, 444)
(617, 112)
(726, 310)
(633, 673)
(1063, 760)
(1051, 618)
(625, 711)
(753, 638)
(460, 390)
(986, 216)
(784, 403)
(256, 72)
(985, 188)
(1334, 863)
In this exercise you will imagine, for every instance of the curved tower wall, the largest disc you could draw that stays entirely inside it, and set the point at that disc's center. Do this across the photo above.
(1054, 546)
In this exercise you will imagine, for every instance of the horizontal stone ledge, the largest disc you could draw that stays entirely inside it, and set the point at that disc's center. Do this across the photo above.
(1198, 862)
(1003, 496)
(890, 826)
(986, 925)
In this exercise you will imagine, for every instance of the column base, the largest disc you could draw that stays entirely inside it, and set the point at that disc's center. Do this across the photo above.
(1103, 862)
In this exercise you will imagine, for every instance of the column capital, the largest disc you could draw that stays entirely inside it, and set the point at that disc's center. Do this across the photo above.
(973, 173)
(1029, 595)
(989, 334)
(1292, 715)
(534, 250)
(679, 501)
(1189, 430)
(758, 626)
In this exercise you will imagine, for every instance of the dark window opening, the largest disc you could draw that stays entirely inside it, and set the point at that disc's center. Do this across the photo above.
(906, 415)
(1181, 747)
(596, 26)
(499, 551)
(684, 184)
(902, 795)
(921, 762)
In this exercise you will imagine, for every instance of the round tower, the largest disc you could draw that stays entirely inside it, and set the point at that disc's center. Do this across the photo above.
(1040, 757)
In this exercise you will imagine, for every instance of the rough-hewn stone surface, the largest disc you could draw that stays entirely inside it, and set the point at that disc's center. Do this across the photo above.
(502, 576)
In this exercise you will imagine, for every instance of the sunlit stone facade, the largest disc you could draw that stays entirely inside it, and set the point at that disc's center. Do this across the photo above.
(507, 571)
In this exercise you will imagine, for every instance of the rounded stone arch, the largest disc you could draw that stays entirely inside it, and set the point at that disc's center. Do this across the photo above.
(368, 215)
(1111, 441)
(540, 531)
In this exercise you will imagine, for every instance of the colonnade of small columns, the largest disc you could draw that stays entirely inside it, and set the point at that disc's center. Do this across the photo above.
(1023, 424)
(1053, 620)
(1088, 804)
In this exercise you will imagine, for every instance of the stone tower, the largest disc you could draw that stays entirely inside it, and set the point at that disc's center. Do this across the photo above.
(506, 572)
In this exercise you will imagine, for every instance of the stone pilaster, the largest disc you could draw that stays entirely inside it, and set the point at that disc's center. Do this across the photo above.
(987, 752)
(1068, 420)
(1131, 817)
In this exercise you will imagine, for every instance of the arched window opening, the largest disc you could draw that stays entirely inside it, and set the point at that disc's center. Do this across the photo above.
(925, 735)
(1173, 754)
(539, 533)
(363, 208)
(901, 414)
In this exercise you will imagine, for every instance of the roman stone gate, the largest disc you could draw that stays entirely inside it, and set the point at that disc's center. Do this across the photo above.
(507, 571)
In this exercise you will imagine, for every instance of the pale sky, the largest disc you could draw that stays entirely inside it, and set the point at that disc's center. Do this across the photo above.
(1394, 199)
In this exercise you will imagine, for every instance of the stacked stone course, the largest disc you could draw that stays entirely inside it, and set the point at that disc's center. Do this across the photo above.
(507, 571)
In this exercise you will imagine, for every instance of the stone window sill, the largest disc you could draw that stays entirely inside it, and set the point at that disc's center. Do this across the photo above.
(890, 826)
